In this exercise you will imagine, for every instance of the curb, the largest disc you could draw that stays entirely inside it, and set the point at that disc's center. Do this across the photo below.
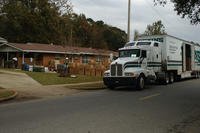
(90, 88)
(10, 97)
(74, 84)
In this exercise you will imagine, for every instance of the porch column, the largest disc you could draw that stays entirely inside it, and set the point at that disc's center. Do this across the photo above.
(7, 56)
(22, 57)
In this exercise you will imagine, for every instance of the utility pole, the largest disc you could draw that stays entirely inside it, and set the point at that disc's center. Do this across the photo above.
(129, 21)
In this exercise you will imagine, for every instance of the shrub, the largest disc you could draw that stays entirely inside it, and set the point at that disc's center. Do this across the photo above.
(38, 69)
(9, 64)
(62, 70)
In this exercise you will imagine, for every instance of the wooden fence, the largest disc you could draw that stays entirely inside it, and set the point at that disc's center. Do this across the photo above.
(88, 69)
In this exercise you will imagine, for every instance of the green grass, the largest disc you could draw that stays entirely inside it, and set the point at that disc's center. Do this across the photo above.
(4, 94)
(53, 78)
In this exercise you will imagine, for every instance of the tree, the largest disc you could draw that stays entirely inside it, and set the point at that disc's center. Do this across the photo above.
(65, 6)
(136, 35)
(43, 21)
(157, 28)
(32, 21)
(185, 8)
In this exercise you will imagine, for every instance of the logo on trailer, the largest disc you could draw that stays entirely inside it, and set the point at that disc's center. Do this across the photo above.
(197, 56)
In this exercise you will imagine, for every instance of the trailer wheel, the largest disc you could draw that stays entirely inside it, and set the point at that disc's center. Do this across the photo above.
(171, 77)
(140, 83)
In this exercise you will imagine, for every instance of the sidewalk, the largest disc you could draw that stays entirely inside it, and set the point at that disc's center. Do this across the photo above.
(27, 87)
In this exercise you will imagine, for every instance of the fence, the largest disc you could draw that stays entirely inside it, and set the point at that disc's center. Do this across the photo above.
(87, 69)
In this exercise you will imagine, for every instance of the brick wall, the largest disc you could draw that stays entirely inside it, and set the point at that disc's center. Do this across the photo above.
(93, 67)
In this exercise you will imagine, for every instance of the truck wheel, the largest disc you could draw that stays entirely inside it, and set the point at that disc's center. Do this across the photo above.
(171, 77)
(166, 79)
(111, 87)
(140, 83)
(198, 75)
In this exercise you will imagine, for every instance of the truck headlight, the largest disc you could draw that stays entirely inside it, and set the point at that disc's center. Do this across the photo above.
(106, 74)
(129, 74)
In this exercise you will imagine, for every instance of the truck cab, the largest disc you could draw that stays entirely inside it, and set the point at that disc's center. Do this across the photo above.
(137, 64)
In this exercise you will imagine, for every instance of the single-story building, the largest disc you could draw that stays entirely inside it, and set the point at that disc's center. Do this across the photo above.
(49, 55)
(2, 41)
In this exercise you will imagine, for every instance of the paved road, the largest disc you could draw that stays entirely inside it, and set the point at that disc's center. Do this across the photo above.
(154, 110)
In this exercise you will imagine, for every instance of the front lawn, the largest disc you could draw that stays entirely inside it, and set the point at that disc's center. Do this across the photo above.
(6, 93)
(53, 78)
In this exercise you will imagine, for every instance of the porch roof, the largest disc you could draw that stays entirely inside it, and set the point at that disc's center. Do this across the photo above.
(57, 49)
(2, 40)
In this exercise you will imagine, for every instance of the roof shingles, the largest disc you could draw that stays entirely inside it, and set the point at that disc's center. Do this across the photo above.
(48, 48)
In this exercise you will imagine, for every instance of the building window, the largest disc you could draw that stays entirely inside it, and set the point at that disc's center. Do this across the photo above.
(57, 57)
(71, 59)
(85, 59)
(98, 59)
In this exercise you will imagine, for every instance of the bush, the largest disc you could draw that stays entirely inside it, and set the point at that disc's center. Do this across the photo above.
(38, 69)
(62, 70)
(9, 64)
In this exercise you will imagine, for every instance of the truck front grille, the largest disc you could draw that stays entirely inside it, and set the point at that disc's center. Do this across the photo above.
(113, 70)
(119, 70)
(116, 70)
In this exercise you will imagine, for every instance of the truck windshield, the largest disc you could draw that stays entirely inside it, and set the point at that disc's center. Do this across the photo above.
(129, 53)
(143, 43)
(130, 44)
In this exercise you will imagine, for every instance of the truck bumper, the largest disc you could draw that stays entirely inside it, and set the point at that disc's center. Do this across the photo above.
(119, 81)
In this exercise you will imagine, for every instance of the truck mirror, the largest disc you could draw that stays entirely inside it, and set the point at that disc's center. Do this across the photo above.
(115, 57)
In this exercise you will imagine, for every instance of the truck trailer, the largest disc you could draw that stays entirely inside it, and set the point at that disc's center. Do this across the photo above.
(159, 58)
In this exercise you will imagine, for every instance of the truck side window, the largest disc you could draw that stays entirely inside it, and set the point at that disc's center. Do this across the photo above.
(156, 44)
(144, 54)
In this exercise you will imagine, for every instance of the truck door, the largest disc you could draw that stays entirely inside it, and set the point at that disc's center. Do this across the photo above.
(144, 59)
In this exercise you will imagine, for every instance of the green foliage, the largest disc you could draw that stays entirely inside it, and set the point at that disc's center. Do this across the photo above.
(157, 28)
(52, 21)
(6, 93)
(185, 8)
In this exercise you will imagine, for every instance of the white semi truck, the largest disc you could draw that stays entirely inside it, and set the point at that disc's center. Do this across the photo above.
(161, 58)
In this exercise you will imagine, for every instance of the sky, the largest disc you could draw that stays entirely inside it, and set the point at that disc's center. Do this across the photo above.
(143, 13)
